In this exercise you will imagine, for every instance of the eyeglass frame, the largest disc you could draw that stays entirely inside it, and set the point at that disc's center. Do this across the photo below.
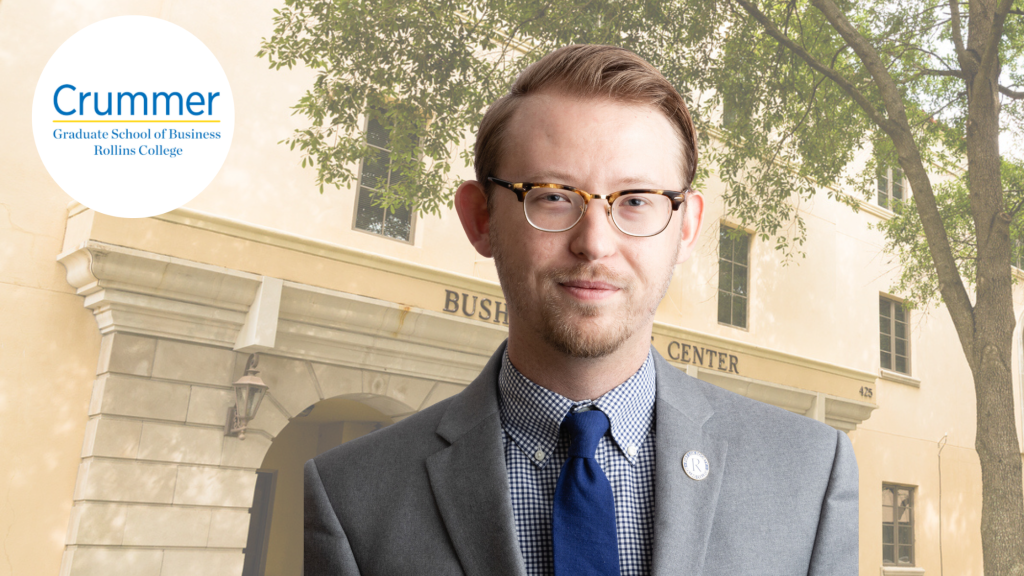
(521, 189)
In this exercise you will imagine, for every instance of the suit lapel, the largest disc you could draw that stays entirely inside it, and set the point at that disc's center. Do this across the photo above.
(684, 508)
(470, 481)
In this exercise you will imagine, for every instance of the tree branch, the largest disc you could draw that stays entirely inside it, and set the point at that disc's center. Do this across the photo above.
(1016, 95)
(831, 74)
(930, 116)
(951, 283)
(958, 38)
(1016, 207)
(941, 60)
(897, 32)
(1011, 93)
(933, 72)
(869, 56)
(991, 50)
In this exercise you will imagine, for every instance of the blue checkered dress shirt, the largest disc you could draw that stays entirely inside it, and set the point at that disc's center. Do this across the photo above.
(535, 451)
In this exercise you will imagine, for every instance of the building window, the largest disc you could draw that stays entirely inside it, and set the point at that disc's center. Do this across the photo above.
(730, 110)
(1017, 254)
(897, 525)
(733, 263)
(376, 174)
(891, 186)
(894, 335)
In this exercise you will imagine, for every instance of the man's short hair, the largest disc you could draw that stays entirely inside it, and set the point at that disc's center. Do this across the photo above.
(586, 71)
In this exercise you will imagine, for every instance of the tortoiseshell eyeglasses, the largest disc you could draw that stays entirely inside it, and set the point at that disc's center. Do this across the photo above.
(558, 207)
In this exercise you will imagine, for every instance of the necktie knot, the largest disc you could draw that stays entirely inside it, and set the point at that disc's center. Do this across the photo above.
(585, 431)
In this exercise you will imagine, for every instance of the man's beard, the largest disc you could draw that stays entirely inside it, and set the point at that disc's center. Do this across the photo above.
(563, 320)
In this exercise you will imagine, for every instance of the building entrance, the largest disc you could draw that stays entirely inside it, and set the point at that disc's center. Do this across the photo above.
(274, 543)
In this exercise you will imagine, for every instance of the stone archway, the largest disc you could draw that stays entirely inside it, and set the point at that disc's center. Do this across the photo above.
(161, 489)
(274, 544)
(298, 386)
(346, 403)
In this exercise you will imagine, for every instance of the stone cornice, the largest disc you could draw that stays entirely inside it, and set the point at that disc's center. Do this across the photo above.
(841, 413)
(139, 292)
(298, 243)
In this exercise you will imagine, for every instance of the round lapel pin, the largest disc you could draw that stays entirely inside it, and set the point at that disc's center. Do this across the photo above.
(696, 465)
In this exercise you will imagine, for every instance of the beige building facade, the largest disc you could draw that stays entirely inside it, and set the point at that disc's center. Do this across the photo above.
(120, 340)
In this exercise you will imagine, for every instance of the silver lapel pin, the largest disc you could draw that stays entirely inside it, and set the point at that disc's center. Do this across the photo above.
(696, 465)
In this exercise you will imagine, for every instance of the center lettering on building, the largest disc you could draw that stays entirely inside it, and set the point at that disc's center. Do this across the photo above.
(704, 357)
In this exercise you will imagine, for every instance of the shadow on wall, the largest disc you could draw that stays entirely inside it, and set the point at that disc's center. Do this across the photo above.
(274, 545)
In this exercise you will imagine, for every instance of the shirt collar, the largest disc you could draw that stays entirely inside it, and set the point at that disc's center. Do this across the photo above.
(532, 414)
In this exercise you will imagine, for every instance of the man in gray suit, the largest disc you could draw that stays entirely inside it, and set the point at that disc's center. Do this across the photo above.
(579, 449)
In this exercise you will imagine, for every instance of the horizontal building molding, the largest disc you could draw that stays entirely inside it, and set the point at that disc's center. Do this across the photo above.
(312, 246)
(841, 413)
(671, 331)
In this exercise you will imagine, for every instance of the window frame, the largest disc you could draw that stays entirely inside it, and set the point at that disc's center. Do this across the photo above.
(730, 114)
(893, 305)
(888, 195)
(894, 489)
(748, 237)
(359, 191)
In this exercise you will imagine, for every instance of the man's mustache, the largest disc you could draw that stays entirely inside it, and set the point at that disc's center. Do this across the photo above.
(591, 273)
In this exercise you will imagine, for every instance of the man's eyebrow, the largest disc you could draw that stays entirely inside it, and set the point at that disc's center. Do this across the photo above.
(635, 181)
(624, 183)
(551, 176)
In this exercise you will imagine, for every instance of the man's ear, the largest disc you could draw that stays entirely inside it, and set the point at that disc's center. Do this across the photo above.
(693, 217)
(471, 204)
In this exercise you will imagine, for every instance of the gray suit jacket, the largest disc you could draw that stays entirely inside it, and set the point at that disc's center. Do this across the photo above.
(430, 494)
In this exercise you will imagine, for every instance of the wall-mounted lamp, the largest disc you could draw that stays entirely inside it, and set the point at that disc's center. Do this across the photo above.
(249, 392)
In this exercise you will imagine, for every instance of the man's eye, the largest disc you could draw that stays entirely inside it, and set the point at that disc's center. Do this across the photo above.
(635, 201)
(554, 197)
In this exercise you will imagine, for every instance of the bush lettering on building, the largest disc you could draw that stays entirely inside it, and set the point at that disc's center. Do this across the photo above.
(473, 306)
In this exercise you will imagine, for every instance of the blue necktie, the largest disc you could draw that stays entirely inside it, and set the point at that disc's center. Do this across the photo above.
(583, 523)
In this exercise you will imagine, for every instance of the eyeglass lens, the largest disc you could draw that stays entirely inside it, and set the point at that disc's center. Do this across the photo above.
(554, 210)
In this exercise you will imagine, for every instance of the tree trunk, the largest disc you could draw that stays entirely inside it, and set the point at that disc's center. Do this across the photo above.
(1002, 509)
(985, 328)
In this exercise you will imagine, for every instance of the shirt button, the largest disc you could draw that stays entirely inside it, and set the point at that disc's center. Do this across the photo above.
(631, 450)
(539, 454)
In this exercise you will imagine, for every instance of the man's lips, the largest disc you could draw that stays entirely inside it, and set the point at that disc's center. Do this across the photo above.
(589, 289)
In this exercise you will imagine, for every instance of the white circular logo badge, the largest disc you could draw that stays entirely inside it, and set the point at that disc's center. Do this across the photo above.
(133, 116)
(696, 465)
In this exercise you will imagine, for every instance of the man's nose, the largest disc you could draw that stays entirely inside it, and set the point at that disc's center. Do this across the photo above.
(594, 236)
